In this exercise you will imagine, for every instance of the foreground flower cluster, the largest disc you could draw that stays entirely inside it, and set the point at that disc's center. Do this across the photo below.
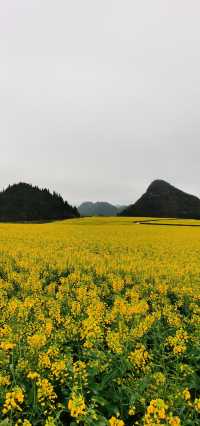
(100, 324)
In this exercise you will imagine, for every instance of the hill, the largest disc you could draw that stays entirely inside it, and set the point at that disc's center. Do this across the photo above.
(100, 208)
(23, 202)
(164, 200)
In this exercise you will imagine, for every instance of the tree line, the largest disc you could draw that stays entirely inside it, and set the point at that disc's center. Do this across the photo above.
(24, 202)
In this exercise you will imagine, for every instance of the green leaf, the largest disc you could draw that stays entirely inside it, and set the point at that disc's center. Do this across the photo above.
(5, 422)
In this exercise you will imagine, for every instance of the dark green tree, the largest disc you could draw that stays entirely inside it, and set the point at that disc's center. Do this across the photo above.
(23, 202)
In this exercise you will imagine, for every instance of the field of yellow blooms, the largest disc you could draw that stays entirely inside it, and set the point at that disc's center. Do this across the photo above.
(100, 324)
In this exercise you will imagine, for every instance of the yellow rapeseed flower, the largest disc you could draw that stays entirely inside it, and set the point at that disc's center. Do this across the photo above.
(115, 422)
(76, 405)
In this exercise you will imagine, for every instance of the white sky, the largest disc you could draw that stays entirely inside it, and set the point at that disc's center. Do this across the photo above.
(100, 97)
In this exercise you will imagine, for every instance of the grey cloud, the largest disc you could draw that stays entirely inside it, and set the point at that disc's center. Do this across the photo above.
(98, 98)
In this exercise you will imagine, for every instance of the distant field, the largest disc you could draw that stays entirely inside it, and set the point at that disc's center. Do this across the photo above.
(167, 221)
(100, 323)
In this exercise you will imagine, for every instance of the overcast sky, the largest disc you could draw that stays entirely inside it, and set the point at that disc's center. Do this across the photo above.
(100, 97)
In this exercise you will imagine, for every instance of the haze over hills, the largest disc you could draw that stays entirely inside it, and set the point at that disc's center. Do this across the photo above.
(100, 208)
(164, 200)
(24, 202)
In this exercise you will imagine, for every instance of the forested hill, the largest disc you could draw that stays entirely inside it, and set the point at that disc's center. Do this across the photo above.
(23, 202)
(164, 200)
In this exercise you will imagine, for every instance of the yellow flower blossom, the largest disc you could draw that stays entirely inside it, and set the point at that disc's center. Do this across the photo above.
(186, 394)
(33, 375)
(36, 341)
(174, 421)
(13, 400)
(197, 404)
(156, 411)
(139, 357)
(4, 380)
(7, 346)
(45, 392)
(76, 405)
(115, 422)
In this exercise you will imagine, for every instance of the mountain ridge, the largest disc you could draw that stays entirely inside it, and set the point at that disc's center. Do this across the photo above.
(162, 199)
(99, 208)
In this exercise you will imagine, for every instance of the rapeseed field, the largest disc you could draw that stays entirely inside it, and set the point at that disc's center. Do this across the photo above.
(100, 324)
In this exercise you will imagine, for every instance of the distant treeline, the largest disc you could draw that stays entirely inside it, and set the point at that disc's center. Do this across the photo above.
(23, 202)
